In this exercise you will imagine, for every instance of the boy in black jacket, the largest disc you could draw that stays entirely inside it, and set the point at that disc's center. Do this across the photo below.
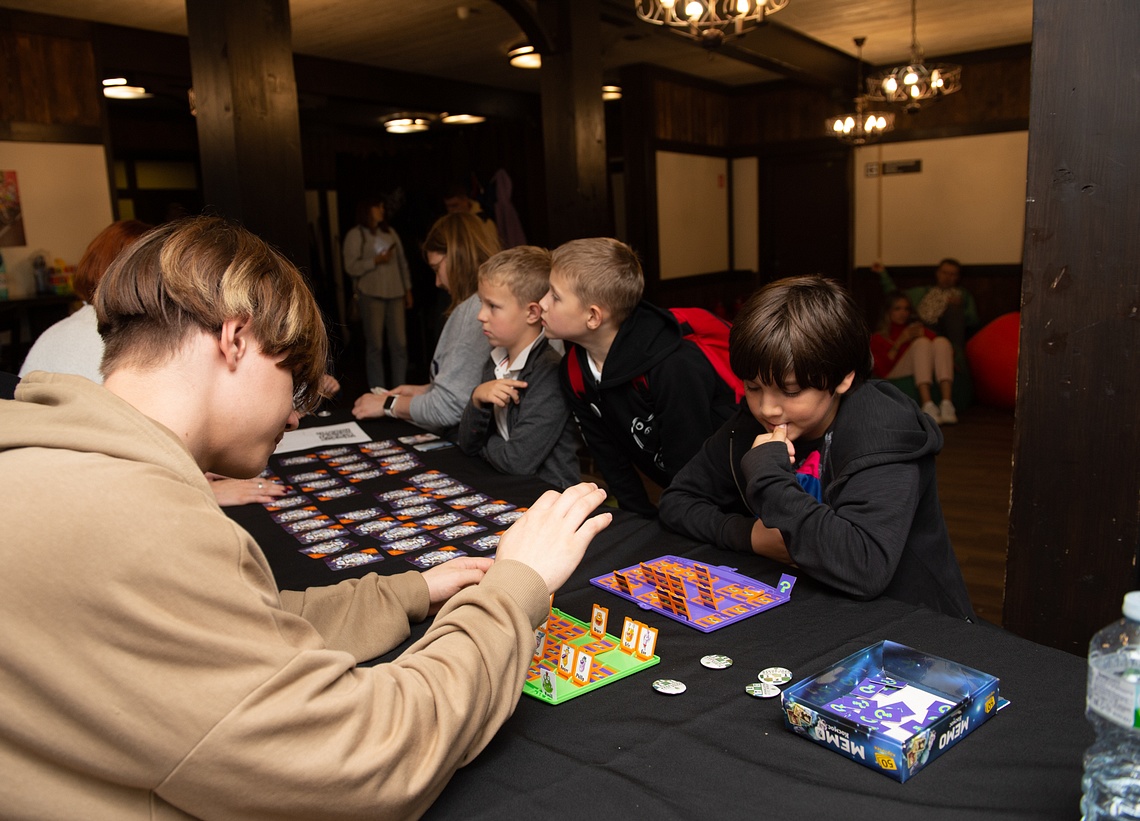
(823, 468)
(645, 398)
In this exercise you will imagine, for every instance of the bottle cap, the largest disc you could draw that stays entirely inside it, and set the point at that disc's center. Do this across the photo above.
(1132, 605)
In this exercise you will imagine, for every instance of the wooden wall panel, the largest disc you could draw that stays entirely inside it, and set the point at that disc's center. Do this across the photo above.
(48, 79)
(1075, 515)
(49, 83)
(689, 114)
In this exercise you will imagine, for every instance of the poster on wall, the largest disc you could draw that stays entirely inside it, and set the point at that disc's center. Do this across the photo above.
(11, 217)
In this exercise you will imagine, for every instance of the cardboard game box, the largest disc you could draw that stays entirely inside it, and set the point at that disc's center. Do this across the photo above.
(891, 708)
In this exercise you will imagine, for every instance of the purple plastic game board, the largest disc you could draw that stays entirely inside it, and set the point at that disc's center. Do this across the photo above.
(705, 597)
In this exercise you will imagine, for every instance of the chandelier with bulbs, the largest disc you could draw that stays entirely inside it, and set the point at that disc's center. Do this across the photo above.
(710, 22)
(918, 81)
(863, 126)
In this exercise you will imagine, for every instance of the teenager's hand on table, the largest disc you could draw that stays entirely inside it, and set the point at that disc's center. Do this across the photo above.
(234, 492)
(499, 392)
(552, 536)
(778, 434)
(410, 390)
(447, 579)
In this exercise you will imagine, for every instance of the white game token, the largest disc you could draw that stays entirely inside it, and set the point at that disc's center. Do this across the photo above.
(775, 675)
(716, 662)
(762, 689)
(668, 686)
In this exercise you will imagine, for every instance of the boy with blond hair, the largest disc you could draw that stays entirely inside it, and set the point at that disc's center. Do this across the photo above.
(644, 396)
(517, 419)
(157, 671)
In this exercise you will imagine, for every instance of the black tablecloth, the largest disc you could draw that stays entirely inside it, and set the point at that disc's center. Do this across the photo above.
(715, 751)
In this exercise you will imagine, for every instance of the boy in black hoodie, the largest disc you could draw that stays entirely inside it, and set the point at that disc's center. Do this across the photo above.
(645, 398)
(820, 467)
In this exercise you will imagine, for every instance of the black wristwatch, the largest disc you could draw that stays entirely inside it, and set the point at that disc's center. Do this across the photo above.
(390, 405)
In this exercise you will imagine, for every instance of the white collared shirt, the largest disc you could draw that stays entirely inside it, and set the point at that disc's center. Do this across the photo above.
(505, 369)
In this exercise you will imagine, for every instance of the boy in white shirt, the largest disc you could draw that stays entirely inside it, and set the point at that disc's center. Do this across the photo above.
(517, 419)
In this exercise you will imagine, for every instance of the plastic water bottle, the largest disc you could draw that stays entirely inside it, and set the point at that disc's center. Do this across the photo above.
(1111, 782)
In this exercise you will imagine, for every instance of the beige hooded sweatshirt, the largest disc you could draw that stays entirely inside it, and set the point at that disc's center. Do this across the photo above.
(150, 669)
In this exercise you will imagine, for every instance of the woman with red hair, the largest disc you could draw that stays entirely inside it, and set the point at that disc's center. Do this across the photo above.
(73, 345)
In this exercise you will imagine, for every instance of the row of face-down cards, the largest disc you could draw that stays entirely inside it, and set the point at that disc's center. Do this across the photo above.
(434, 516)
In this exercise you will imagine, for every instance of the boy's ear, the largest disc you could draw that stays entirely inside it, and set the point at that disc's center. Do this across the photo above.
(533, 313)
(233, 340)
(846, 384)
(596, 316)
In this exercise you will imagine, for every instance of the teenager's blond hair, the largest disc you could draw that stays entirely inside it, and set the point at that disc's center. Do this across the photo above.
(524, 270)
(192, 275)
(601, 271)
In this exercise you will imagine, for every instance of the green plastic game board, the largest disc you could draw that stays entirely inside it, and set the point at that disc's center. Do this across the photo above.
(610, 663)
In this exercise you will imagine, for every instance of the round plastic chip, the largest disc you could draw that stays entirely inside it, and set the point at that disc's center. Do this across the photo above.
(716, 662)
(668, 686)
(762, 689)
(775, 675)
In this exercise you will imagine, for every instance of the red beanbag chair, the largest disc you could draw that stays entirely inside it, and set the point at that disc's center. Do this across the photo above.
(992, 354)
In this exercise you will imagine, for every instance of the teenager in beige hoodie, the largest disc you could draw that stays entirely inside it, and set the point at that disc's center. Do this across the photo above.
(148, 664)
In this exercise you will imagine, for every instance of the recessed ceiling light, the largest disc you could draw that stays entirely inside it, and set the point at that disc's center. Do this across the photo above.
(461, 119)
(406, 125)
(124, 92)
(524, 57)
(611, 92)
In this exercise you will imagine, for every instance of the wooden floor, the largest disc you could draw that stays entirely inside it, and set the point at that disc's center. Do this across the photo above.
(974, 471)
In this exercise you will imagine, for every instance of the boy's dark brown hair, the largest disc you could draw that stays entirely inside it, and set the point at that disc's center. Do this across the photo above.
(192, 275)
(808, 328)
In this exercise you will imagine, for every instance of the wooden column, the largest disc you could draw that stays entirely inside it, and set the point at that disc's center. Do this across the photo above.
(1075, 515)
(573, 122)
(249, 134)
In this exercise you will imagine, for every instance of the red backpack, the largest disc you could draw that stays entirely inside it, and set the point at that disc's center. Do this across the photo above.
(704, 329)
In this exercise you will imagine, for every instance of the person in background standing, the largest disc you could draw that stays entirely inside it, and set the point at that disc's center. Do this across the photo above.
(374, 258)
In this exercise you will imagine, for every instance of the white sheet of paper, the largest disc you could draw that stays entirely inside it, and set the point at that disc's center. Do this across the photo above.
(321, 438)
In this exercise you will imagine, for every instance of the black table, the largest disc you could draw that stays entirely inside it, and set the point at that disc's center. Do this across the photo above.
(714, 751)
